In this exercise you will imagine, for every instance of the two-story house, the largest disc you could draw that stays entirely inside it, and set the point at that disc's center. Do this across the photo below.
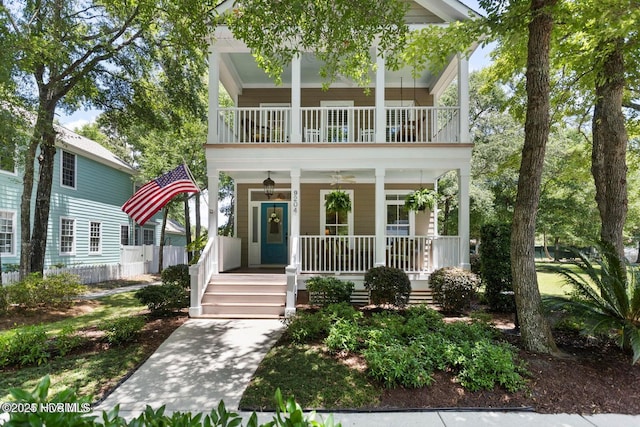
(86, 225)
(288, 147)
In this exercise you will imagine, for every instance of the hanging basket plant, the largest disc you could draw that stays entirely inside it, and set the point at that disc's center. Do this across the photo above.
(338, 201)
(421, 200)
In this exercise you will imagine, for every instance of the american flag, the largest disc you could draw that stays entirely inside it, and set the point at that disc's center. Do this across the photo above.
(152, 196)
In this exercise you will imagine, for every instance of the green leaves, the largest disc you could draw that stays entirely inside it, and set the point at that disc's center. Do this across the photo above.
(339, 33)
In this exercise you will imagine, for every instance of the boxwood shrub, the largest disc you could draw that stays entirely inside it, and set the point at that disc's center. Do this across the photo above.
(453, 288)
(329, 290)
(388, 285)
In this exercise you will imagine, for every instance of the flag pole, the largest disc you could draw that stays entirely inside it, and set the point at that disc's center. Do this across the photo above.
(191, 176)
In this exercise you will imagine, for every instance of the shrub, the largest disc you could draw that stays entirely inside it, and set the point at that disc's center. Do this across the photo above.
(605, 300)
(495, 266)
(163, 299)
(121, 329)
(67, 340)
(388, 285)
(343, 310)
(345, 335)
(54, 291)
(491, 364)
(177, 274)
(306, 327)
(4, 299)
(453, 288)
(24, 346)
(329, 290)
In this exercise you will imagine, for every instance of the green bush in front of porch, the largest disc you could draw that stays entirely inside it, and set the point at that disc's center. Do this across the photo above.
(325, 290)
(388, 285)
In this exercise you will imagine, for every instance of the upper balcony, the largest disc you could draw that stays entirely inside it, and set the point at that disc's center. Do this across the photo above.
(350, 125)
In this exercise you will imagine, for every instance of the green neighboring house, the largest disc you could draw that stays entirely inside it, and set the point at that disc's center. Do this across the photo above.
(86, 224)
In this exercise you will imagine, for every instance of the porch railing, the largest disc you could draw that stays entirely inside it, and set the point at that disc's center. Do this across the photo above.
(200, 274)
(356, 254)
(273, 125)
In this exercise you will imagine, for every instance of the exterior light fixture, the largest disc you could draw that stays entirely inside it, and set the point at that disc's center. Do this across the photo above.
(268, 186)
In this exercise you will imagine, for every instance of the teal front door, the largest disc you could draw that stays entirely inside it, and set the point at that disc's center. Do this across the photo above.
(275, 233)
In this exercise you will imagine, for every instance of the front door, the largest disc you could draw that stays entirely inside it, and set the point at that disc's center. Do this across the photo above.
(275, 233)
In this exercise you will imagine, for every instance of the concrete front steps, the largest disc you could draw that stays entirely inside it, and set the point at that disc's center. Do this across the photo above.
(245, 296)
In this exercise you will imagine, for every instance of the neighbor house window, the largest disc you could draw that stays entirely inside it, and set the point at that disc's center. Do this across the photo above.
(95, 237)
(148, 236)
(7, 232)
(398, 217)
(67, 236)
(335, 223)
(68, 170)
(124, 235)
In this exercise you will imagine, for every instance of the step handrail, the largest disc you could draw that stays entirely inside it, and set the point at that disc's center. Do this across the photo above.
(200, 274)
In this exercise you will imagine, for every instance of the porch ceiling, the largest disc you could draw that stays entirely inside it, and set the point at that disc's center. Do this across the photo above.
(351, 176)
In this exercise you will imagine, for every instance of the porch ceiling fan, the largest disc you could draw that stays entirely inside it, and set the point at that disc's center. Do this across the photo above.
(338, 178)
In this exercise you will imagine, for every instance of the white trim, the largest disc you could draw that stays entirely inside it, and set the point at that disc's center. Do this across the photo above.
(14, 236)
(323, 211)
(73, 236)
(100, 234)
(75, 170)
(128, 234)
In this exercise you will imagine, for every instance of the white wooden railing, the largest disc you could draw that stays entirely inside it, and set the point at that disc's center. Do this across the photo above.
(356, 254)
(272, 125)
(200, 275)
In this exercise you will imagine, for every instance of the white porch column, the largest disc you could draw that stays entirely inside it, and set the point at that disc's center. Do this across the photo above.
(463, 97)
(294, 245)
(214, 79)
(463, 215)
(436, 210)
(212, 189)
(381, 119)
(296, 116)
(381, 219)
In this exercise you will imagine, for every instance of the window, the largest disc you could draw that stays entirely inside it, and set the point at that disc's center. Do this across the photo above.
(68, 170)
(124, 235)
(95, 237)
(398, 217)
(332, 223)
(148, 236)
(7, 232)
(67, 236)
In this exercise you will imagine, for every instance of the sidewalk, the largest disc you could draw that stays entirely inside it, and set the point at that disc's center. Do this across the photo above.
(114, 291)
(205, 361)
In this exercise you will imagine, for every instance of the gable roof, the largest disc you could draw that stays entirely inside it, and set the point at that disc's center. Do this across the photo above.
(78, 144)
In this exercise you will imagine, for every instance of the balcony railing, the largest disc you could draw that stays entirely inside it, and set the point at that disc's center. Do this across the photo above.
(274, 125)
(356, 254)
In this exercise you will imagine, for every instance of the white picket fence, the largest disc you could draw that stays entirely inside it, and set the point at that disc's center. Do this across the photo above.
(134, 261)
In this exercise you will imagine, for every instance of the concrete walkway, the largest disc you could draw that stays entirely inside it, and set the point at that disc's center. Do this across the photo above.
(205, 361)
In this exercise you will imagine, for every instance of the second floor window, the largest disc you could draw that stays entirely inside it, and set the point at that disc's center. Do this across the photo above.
(67, 236)
(68, 170)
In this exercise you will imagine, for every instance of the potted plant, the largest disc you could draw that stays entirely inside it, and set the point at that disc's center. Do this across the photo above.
(338, 201)
(421, 200)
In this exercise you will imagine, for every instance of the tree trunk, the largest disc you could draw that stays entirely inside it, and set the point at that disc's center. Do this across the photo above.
(165, 214)
(187, 226)
(535, 330)
(609, 152)
(43, 196)
(546, 247)
(556, 250)
(198, 220)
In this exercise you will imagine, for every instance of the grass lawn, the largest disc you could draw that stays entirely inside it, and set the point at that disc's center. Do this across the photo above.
(552, 283)
(95, 368)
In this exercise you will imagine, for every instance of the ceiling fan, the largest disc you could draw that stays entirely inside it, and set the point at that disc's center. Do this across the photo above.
(337, 179)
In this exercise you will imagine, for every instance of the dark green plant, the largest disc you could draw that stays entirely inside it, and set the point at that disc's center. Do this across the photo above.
(4, 300)
(53, 291)
(306, 327)
(453, 288)
(341, 310)
(607, 300)
(24, 346)
(495, 266)
(345, 336)
(324, 290)
(421, 200)
(177, 274)
(122, 330)
(338, 201)
(163, 299)
(67, 340)
(388, 285)
(490, 364)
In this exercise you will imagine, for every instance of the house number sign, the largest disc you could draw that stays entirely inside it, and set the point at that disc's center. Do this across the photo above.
(295, 201)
